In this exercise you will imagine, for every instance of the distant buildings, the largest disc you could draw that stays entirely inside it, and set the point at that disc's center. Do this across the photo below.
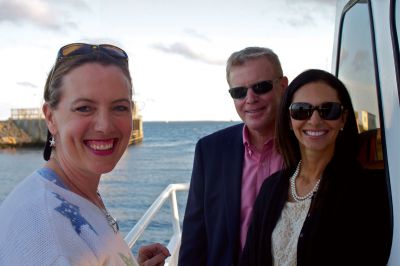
(365, 121)
(371, 154)
(26, 113)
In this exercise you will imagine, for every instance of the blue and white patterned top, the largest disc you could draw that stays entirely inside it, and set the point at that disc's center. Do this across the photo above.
(43, 223)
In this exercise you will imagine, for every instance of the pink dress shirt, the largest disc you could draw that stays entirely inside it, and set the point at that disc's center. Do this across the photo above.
(257, 166)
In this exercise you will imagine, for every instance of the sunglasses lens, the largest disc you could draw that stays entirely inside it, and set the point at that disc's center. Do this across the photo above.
(262, 87)
(300, 111)
(330, 111)
(327, 111)
(114, 51)
(238, 92)
(74, 49)
(259, 88)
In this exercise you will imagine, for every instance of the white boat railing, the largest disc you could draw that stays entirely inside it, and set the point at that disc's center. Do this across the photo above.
(175, 241)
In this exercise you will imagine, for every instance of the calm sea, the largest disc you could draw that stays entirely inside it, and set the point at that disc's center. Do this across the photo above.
(165, 156)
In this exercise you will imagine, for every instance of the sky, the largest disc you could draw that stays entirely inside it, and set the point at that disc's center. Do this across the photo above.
(177, 48)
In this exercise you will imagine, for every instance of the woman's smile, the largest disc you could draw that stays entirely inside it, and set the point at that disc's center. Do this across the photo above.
(315, 133)
(104, 145)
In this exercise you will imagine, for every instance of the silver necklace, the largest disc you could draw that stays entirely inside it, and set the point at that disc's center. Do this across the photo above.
(293, 191)
(112, 222)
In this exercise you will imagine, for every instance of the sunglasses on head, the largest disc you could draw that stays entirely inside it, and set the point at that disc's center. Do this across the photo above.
(258, 88)
(80, 49)
(327, 111)
(77, 49)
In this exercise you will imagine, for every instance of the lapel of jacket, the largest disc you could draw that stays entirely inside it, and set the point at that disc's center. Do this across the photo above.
(233, 164)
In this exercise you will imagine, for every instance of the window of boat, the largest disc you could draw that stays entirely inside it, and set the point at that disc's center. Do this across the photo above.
(356, 69)
(397, 19)
(397, 41)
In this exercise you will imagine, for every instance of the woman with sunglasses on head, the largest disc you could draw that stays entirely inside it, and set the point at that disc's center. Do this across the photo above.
(323, 208)
(56, 216)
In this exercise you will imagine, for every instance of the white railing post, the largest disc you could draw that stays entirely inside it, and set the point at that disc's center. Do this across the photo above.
(175, 213)
(175, 241)
(141, 225)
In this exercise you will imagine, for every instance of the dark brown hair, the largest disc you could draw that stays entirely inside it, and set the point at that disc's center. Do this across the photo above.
(346, 145)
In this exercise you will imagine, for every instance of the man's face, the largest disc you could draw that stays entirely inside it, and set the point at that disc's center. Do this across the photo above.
(258, 111)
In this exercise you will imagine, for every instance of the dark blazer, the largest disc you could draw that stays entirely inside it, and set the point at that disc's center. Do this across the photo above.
(211, 226)
(348, 222)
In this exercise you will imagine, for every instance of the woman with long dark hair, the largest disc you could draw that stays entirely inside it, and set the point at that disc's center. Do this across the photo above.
(323, 208)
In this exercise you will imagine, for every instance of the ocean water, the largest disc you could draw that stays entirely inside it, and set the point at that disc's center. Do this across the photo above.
(165, 156)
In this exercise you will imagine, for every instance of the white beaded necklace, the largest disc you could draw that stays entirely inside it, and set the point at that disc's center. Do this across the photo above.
(293, 191)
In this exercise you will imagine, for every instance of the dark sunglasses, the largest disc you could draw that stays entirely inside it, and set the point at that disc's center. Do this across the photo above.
(76, 49)
(258, 88)
(327, 111)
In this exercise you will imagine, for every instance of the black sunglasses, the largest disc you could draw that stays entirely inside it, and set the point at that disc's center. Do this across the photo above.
(258, 88)
(327, 111)
(76, 49)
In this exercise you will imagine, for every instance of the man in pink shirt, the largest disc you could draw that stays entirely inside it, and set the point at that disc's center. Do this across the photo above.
(231, 164)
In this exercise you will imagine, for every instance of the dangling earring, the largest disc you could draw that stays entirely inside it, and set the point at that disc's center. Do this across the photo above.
(52, 141)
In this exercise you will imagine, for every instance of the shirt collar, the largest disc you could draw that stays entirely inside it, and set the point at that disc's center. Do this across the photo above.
(246, 141)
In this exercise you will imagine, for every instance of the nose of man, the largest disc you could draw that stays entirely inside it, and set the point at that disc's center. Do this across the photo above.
(251, 97)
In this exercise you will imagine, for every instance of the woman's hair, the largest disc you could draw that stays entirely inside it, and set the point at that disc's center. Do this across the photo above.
(346, 145)
(63, 66)
(52, 88)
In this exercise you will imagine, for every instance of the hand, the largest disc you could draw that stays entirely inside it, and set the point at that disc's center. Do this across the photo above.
(153, 255)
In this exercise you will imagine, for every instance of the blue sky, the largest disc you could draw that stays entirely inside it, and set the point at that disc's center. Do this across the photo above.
(177, 48)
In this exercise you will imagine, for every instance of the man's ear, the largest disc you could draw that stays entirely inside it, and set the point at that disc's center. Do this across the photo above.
(49, 117)
(284, 82)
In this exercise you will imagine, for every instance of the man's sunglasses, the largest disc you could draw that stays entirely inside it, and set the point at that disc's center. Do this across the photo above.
(258, 88)
(77, 49)
(327, 111)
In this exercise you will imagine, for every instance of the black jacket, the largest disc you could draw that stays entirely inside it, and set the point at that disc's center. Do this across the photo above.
(211, 226)
(348, 222)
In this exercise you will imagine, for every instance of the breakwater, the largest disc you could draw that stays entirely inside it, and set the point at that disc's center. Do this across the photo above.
(23, 132)
(27, 127)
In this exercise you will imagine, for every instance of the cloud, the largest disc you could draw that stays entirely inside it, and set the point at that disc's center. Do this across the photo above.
(26, 84)
(318, 2)
(185, 51)
(101, 41)
(37, 12)
(196, 34)
(305, 20)
(361, 60)
(77, 4)
(308, 12)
